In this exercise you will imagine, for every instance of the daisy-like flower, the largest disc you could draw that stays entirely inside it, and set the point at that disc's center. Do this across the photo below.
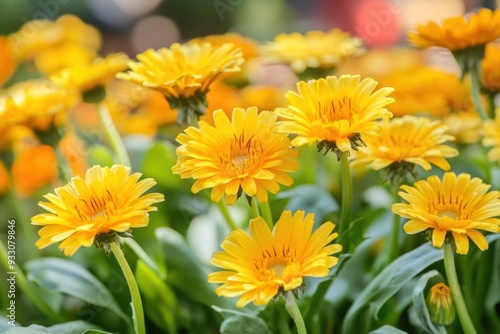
(315, 49)
(30, 100)
(243, 154)
(465, 37)
(403, 143)
(86, 77)
(184, 73)
(39, 36)
(458, 33)
(491, 133)
(459, 204)
(334, 112)
(105, 204)
(260, 265)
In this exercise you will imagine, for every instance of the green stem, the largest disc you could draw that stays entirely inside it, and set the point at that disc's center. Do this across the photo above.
(394, 237)
(61, 165)
(346, 209)
(458, 299)
(112, 135)
(266, 214)
(137, 311)
(491, 105)
(309, 157)
(225, 212)
(254, 208)
(475, 91)
(22, 214)
(293, 309)
(24, 285)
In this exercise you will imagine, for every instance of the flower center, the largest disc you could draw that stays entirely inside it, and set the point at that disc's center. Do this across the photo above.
(239, 160)
(276, 265)
(336, 110)
(450, 214)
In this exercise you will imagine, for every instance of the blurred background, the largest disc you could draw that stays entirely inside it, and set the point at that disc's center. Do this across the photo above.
(132, 26)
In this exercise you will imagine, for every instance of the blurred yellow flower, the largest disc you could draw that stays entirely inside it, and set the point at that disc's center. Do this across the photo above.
(458, 204)
(63, 56)
(105, 204)
(33, 99)
(315, 49)
(136, 110)
(258, 266)
(335, 112)
(408, 140)
(74, 152)
(8, 63)
(421, 89)
(39, 36)
(41, 159)
(85, 77)
(243, 154)
(458, 33)
(464, 125)
(491, 133)
(184, 72)
(490, 68)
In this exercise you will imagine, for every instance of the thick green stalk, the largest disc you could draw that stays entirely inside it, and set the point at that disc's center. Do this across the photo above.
(346, 209)
(475, 91)
(137, 310)
(394, 237)
(266, 214)
(26, 288)
(254, 208)
(293, 309)
(458, 299)
(225, 212)
(112, 135)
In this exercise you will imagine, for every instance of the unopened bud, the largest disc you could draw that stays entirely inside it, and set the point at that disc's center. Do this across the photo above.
(440, 304)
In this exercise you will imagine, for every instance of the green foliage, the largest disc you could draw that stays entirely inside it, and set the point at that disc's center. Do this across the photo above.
(65, 276)
(236, 322)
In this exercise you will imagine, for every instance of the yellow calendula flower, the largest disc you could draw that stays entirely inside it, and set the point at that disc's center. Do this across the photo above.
(315, 49)
(39, 36)
(105, 204)
(464, 37)
(86, 77)
(458, 33)
(184, 73)
(406, 142)
(243, 154)
(33, 99)
(460, 205)
(259, 265)
(491, 133)
(334, 112)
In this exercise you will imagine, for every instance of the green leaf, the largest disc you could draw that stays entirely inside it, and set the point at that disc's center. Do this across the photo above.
(385, 285)
(94, 331)
(159, 300)
(236, 322)
(493, 295)
(386, 329)
(67, 277)
(310, 198)
(72, 327)
(419, 315)
(315, 301)
(157, 163)
(185, 270)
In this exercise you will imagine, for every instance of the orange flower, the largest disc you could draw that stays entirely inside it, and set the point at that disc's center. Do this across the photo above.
(41, 159)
